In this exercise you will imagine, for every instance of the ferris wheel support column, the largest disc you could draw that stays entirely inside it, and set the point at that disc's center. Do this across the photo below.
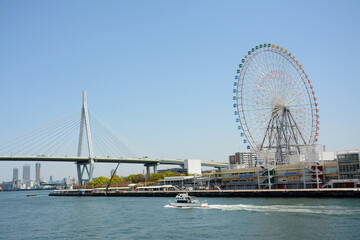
(269, 178)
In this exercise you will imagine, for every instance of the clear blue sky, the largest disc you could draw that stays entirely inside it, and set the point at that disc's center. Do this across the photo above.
(161, 72)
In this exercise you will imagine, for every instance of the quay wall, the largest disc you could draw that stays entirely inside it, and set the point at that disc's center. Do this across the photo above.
(293, 193)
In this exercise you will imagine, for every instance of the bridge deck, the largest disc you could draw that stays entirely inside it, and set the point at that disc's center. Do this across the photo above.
(109, 160)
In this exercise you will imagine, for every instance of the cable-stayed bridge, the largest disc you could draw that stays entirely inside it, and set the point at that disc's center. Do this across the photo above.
(55, 143)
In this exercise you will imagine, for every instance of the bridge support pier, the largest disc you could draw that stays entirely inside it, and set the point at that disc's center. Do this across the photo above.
(148, 165)
(85, 168)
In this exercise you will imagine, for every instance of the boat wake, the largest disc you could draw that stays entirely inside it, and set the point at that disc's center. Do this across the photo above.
(300, 208)
(331, 210)
(169, 206)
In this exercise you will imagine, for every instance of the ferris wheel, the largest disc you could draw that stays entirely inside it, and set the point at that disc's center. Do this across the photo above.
(276, 106)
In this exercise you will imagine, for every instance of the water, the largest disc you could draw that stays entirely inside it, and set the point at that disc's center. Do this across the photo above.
(44, 217)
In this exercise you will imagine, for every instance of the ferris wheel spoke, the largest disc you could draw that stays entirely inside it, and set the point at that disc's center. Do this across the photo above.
(299, 97)
(290, 66)
(299, 89)
(259, 109)
(257, 127)
(300, 105)
(260, 115)
(255, 76)
(298, 92)
(307, 111)
(260, 68)
(294, 91)
(252, 105)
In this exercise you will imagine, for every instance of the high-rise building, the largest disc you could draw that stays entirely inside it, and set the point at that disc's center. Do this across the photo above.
(51, 178)
(15, 174)
(26, 173)
(37, 171)
(112, 172)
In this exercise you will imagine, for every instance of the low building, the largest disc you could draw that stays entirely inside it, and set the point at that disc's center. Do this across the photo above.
(292, 176)
(193, 182)
(6, 186)
(314, 168)
(343, 183)
(313, 153)
(349, 164)
(180, 181)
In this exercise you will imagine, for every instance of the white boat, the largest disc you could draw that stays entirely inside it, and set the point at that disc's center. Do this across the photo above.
(183, 200)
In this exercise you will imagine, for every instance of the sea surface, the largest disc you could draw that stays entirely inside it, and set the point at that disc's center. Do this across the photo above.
(44, 217)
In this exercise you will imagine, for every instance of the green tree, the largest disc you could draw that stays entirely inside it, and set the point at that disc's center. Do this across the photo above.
(156, 177)
(142, 177)
(134, 178)
(99, 181)
(117, 179)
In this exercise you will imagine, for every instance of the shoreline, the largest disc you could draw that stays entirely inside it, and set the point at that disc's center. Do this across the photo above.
(288, 193)
(24, 190)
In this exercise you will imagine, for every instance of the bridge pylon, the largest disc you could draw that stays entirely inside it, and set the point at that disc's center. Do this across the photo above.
(88, 165)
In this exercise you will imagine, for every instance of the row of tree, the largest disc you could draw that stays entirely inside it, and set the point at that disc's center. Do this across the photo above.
(134, 178)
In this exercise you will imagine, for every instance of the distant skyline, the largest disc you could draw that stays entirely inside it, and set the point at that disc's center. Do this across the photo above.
(161, 73)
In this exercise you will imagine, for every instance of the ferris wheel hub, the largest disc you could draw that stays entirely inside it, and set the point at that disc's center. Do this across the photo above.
(279, 107)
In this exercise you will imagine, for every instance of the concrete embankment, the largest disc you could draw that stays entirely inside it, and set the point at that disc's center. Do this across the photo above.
(291, 193)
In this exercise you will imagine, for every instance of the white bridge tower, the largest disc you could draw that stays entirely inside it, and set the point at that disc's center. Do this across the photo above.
(87, 166)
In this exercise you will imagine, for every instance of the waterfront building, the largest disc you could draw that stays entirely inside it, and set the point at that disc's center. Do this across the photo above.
(290, 176)
(313, 168)
(181, 181)
(37, 172)
(161, 188)
(26, 173)
(18, 184)
(343, 183)
(191, 182)
(6, 186)
(70, 182)
(322, 155)
(30, 184)
(51, 179)
(314, 153)
(15, 174)
(349, 164)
